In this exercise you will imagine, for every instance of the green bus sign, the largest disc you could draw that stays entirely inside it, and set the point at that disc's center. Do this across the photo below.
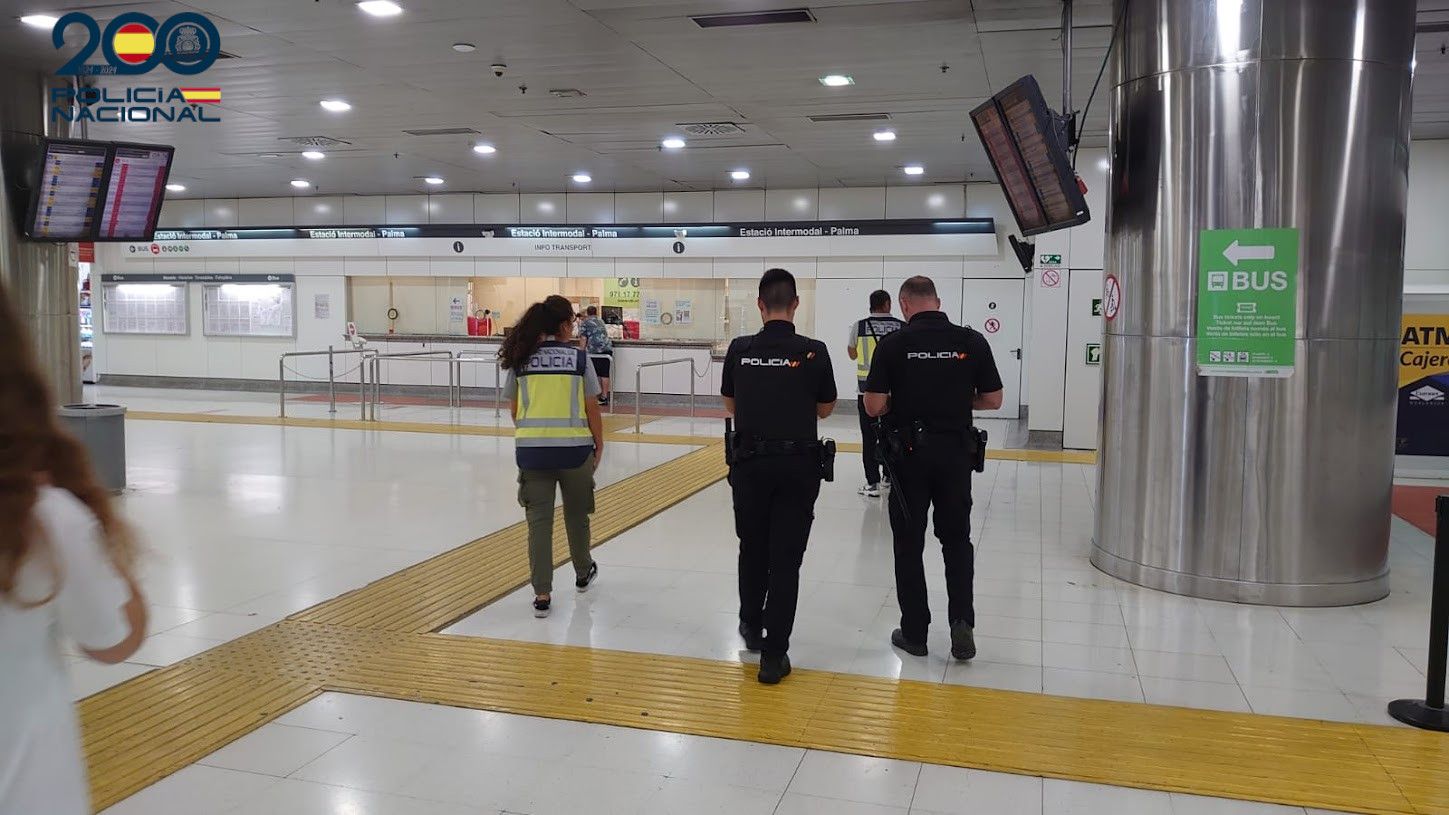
(1247, 302)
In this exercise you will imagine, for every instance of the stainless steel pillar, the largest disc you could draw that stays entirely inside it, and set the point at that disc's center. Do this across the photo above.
(40, 278)
(1255, 113)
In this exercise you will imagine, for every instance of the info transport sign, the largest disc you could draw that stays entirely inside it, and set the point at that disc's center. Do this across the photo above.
(1247, 302)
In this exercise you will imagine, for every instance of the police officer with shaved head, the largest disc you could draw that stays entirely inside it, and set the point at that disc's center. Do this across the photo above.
(924, 381)
(776, 385)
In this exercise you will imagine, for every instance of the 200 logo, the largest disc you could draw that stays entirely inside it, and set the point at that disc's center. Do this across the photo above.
(187, 43)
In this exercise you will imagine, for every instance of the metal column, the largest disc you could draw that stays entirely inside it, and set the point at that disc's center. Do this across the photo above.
(1237, 114)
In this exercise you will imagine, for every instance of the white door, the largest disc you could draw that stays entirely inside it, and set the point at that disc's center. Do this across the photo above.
(994, 307)
(839, 303)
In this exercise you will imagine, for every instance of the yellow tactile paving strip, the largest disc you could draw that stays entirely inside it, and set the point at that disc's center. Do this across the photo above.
(615, 425)
(377, 641)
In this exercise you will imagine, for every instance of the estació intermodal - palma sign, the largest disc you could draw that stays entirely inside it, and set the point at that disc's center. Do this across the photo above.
(1247, 302)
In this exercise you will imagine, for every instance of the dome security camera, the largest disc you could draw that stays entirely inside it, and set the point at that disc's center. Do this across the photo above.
(498, 69)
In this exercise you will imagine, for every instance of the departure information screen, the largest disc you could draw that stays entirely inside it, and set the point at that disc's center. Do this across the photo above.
(134, 192)
(68, 196)
(1027, 151)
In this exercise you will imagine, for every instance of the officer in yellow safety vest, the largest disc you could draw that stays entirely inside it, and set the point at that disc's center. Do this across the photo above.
(864, 334)
(558, 441)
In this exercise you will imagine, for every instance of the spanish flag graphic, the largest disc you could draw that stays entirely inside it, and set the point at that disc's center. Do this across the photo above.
(134, 43)
(201, 95)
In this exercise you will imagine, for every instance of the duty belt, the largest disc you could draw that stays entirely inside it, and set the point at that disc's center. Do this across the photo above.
(778, 447)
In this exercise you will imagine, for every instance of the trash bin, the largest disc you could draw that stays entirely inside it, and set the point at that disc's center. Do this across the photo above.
(102, 431)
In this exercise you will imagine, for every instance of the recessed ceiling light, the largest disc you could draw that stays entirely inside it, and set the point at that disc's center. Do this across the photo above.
(39, 20)
(267, 155)
(884, 135)
(313, 154)
(740, 175)
(836, 80)
(672, 143)
(582, 178)
(464, 47)
(299, 183)
(913, 169)
(433, 179)
(176, 187)
(380, 8)
(335, 105)
(484, 149)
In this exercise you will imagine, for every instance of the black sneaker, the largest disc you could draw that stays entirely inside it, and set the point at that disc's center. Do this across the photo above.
(963, 642)
(540, 607)
(915, 649)
(582, 584)
(773, 668)
(754, 640)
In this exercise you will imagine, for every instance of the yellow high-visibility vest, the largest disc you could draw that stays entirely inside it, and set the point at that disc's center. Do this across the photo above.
(551, 399)
(867, 336)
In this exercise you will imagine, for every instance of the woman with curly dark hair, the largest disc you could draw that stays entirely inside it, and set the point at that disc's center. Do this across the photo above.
(558, 440)
(66, 563)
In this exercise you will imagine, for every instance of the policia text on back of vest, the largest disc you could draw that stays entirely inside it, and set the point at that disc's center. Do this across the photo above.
(551, 401)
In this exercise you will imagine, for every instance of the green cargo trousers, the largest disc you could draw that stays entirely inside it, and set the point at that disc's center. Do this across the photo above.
(536, 491)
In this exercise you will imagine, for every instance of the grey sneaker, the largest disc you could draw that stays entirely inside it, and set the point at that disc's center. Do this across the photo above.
(963, 641)
(541, 607)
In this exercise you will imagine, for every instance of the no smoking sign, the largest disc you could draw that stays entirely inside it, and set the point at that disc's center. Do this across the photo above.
(1051, 278)
(992, 326)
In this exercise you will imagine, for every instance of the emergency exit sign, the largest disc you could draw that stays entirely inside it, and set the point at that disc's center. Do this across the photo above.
(1094, 353)
(1096, 307)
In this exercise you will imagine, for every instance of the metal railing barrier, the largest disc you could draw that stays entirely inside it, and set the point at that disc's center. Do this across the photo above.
(638, 386)
(480, 358)
(406, 356)
(363, 354)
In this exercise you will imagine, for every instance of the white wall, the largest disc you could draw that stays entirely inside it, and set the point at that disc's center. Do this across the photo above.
(843, 283)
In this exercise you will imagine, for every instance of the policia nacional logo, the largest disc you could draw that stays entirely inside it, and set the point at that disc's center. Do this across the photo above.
(1423, 427)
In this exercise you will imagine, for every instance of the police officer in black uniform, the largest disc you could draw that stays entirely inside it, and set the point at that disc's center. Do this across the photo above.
(776, 384)
(924, 382)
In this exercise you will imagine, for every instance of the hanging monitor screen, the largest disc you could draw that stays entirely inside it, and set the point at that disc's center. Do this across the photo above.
(1030, 157)
(134, 192)
(66, 199)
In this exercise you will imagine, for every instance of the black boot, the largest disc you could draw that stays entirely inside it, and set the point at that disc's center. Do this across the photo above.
(773, 668)
(916, 649)
(963, 641)
(754, 640)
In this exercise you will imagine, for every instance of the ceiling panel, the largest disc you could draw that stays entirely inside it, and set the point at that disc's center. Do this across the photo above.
(644, 68)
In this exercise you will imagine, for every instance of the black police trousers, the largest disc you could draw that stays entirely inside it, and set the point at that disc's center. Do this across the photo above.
(936, 476)
(867, 443)
(774, 499)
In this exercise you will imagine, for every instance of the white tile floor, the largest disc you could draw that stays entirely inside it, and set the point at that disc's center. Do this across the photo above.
(357, 755)
(246, 524)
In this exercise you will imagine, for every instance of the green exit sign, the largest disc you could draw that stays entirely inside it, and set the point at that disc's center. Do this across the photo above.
(1051, 260)
(1094, 353)
(1096, 307)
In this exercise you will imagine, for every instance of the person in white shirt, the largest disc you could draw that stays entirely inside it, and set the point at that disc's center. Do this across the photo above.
(65, 574)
